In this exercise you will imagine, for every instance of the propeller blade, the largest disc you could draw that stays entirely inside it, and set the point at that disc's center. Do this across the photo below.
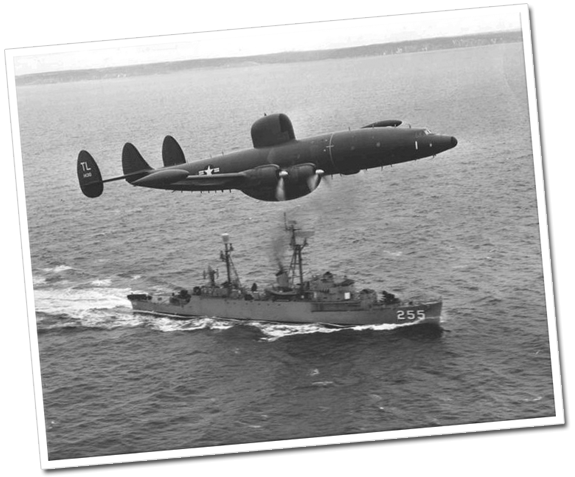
(314, 180)
(280, 189)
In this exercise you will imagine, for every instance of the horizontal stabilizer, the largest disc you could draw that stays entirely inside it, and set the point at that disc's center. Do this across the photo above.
(172, 153)
(89, 175)
(161, 178)
(134, 164)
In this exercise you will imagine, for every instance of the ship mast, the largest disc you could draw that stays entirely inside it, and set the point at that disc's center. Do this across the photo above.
(298, 241)
(226, 256)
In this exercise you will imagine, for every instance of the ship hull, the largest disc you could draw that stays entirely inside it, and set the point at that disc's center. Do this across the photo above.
(296, 312)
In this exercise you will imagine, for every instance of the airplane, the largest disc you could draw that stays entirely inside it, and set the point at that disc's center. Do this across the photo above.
(279, 166)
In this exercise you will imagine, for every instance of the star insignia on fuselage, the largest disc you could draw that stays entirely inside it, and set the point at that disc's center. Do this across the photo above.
(208, 171)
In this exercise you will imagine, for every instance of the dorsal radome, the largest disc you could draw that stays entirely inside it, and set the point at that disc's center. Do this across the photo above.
(272, 130)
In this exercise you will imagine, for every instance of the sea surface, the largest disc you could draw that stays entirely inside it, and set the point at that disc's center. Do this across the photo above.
(463, 225)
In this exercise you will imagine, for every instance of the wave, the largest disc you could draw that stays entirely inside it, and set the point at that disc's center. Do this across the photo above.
(167, 325)
(103, 320)
(79, 302)
(57, 269)
(270, 331)
(108, 309)
(275, 331)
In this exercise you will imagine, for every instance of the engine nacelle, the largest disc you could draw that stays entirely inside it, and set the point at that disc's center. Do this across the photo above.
(263, 176)
(272, 184)
(300, 173)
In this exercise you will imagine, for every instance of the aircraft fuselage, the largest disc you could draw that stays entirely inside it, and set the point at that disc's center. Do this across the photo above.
(344, 152)
(279, 166)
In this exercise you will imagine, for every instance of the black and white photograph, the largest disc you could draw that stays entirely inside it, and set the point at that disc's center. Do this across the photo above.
(316, 233)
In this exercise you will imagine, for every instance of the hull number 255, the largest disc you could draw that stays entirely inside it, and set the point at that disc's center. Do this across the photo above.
(410, 314)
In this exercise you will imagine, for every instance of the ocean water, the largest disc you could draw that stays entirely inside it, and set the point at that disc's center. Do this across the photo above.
(463, 225)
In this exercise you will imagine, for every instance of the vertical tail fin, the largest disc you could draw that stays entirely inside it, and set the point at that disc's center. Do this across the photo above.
(172, 153)
(133, 163)
(89, 175)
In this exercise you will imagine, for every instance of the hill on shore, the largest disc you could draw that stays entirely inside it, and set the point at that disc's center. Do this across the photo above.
(382, 49)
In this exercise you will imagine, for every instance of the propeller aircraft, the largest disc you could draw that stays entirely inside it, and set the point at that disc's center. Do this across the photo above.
(279, 166)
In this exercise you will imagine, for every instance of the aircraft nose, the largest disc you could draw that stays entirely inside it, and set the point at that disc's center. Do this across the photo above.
(453, 142)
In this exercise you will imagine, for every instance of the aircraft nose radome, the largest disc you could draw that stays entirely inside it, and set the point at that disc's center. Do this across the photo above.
(453, 142)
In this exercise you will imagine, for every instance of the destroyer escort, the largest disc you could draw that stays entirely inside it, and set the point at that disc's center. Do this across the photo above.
(323, 299)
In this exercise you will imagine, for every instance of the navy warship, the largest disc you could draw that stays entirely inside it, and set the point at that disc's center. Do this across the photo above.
(323, 299)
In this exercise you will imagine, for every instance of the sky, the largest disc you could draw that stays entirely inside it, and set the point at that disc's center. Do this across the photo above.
(262, 40)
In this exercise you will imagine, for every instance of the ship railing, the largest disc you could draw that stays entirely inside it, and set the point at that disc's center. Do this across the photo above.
(339, 305)
(414, 301)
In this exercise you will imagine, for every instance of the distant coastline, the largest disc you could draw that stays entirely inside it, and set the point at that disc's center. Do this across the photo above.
(413, 46)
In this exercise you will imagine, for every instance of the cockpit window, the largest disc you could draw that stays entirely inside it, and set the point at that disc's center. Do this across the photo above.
(423, 132)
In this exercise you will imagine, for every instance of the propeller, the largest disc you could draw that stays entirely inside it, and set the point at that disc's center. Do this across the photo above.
(280, 188)
(299, 174)
(313, 180)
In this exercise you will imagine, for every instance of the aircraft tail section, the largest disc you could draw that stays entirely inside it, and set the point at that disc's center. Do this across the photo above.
(133, 164)
(172, 153)
(89, 175)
